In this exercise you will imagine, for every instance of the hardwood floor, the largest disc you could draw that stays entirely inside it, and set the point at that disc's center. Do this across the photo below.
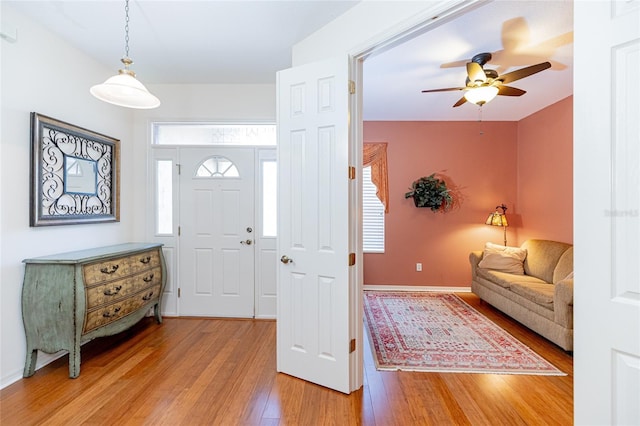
(222, 372)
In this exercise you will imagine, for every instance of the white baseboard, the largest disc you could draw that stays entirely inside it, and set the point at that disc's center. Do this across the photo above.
(416, 288)
(43, 359)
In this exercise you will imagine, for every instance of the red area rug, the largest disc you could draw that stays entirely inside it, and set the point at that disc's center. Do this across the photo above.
(439, 332)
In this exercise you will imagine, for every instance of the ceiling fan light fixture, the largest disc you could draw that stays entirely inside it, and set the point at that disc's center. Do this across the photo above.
(123, 89)
(481, 95)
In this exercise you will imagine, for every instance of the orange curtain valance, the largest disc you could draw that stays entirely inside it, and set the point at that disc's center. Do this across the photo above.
(375, 155)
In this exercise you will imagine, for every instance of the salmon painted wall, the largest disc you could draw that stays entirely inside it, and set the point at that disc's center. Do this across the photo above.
(527, 165)
(545, 173)
(477, 160)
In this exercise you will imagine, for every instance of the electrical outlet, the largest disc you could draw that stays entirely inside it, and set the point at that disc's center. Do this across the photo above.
(419, 267)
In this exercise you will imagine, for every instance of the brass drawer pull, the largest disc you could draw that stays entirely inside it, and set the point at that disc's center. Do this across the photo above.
(113, 291)
(111, 270)
(147, 297)
(111, 315)
(145, 260)
(148, 278)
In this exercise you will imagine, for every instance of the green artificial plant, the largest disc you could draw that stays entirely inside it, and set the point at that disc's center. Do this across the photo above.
(429, 191)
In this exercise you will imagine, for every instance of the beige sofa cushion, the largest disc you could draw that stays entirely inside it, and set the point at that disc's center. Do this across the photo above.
(505, 280)
(542, 258)
(540, 293)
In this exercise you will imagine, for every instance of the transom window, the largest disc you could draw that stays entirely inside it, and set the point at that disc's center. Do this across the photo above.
(217, 167)
(214, 134)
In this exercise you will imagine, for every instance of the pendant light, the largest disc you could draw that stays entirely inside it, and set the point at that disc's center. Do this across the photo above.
(124, 89)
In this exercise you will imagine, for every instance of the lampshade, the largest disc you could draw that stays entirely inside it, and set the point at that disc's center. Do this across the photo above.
(499, 219)
(125, 90)
(481, 95)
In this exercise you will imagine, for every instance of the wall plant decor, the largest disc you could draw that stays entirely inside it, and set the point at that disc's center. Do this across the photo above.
(432, 192)
(75, 174)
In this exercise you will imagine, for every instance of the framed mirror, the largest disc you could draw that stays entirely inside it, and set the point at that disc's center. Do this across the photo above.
(75, 174)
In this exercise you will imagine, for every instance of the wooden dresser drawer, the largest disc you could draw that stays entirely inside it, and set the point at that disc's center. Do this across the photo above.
(121, 267)
(117, 310)
(112, 291)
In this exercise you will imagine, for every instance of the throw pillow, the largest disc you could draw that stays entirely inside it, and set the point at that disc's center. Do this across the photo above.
(503, 258)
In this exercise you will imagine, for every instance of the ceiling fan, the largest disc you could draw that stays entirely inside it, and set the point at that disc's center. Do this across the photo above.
(482, 85)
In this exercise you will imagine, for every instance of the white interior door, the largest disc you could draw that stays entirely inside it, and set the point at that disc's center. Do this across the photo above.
(217, 232)
(313, 242)
(607, 219)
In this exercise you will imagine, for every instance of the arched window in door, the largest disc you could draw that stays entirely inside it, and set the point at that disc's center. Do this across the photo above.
(217, 167)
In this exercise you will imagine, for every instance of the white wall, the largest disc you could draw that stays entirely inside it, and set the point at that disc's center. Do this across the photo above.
(44, 74)
(370, 23)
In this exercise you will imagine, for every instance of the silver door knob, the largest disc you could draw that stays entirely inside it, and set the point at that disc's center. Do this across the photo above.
(247, 242)
(284, 259)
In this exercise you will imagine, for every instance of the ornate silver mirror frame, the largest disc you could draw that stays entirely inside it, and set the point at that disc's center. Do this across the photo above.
(75, 174)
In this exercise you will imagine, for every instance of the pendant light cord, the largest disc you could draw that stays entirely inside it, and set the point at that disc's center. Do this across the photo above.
(126, 29)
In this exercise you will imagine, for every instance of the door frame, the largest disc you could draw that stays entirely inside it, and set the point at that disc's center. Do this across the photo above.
(171, 241)
(388, 39)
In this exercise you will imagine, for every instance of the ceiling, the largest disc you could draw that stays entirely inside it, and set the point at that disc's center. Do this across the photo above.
(517, 33)
(208, 42)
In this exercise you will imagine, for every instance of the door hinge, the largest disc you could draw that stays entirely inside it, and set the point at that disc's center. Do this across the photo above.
(179, 168)
(178, 291)
(352, 87)
(352, 259)
(179, 230)
(352, 172)
(352, 345)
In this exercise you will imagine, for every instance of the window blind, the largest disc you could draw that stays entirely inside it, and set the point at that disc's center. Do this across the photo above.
(372, 216)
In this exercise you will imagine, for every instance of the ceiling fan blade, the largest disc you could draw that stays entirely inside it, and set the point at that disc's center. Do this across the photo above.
(455, 64)
(475, 72)
(515, 34)
(460, 102)
(510, 91)
(448, 89)
(523, 72)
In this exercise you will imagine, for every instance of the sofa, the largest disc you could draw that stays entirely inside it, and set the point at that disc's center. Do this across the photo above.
(532, 283)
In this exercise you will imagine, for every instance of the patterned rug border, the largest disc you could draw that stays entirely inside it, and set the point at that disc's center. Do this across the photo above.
(552, 370)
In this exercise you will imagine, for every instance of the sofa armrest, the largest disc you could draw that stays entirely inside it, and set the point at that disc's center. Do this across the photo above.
(474, 258)
(563, 303)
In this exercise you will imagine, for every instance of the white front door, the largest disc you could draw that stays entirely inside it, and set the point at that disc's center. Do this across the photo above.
(314, 311)
(607, 212)
(216, 272)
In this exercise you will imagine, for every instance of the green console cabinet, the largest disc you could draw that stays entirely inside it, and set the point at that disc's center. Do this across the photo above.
(71, 298)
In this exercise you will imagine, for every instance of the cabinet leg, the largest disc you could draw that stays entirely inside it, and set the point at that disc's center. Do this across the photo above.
(156, 313)
(74, 362)
(30, 363)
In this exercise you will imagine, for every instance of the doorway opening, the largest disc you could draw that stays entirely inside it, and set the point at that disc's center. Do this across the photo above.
(214, 209)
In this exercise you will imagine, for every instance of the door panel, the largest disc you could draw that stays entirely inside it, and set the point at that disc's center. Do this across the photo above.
(607, 164)
(216, 246)
(313, 289)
